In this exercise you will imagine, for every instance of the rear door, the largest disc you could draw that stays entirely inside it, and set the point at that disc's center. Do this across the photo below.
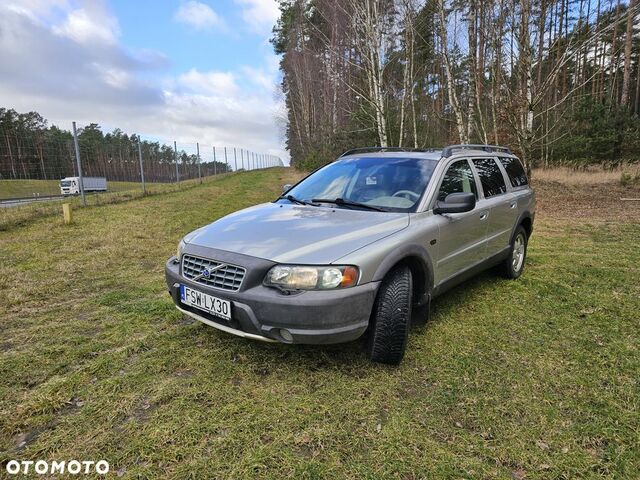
(519, 182)
(462, 236)
(499, 201)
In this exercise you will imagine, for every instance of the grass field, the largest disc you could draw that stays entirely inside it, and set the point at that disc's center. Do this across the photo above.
(31, 188)
(536, 378)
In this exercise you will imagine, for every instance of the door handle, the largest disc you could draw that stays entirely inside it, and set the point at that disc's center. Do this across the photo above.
(484, 215)
(513, 204)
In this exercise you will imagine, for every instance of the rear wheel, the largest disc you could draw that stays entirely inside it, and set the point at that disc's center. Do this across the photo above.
(513, 266)
(391, 318)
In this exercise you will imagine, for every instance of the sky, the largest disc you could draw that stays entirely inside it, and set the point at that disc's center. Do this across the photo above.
(184, 70)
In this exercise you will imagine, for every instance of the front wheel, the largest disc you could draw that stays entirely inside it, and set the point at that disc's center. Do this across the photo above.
(513, 266)
(391, 318)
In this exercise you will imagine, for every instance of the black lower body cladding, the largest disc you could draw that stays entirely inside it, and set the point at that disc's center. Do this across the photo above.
(311, 317)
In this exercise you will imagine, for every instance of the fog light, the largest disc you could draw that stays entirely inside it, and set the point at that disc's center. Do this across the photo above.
(286, 335)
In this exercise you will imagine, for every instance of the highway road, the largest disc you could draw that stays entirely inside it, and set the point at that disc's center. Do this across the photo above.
(14, 202)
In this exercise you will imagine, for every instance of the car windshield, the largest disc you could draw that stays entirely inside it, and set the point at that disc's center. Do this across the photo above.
(65, 183)
(388, 183)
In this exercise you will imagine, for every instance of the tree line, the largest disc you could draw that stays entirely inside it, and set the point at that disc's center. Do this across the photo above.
(31, 149)
(555, 80)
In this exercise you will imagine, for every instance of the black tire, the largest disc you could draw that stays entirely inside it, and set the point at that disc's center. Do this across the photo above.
(511, 267)
(391, 318)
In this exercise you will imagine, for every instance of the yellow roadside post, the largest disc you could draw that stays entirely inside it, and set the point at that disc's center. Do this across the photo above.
(66, 211)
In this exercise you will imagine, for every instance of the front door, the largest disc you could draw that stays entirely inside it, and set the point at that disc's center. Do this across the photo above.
(461, 242)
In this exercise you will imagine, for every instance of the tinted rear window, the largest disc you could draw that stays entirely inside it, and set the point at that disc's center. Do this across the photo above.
(490, 177)
(515, 171)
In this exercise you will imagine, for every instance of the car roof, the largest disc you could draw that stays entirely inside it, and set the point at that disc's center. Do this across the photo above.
(425, 155)
(431, 154)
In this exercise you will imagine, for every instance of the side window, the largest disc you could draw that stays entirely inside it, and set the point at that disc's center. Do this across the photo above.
(490, 177)
(458, 179)
(515, 171)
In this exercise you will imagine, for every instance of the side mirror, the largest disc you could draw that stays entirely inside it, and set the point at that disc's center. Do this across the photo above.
(286, 188)
(456, 203)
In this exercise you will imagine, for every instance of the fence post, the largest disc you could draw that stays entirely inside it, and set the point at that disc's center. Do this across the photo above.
(67, 213)
(175, 154)
(225, 160)
(144, 190)
(214, 161)
(242, 158)
(235, 159)
(198, 152)
(77, 148)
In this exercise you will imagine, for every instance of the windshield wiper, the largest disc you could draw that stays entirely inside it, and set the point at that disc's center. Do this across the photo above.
(293, 199)
(348, 203)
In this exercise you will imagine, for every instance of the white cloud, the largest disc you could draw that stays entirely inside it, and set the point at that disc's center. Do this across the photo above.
(35, 8)
(198, 15)
(115, 77)
(261, 15)
(216, 83)
(91, 23)
(259, 77)
(71, 78)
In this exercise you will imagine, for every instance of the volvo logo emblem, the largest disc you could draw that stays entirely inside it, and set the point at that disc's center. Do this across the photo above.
(206, 273)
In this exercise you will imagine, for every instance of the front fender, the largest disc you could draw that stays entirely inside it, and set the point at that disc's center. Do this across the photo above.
(410, 253)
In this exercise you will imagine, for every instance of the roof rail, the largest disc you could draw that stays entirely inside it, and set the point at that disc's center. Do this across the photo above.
(487, 148)
(381, 149)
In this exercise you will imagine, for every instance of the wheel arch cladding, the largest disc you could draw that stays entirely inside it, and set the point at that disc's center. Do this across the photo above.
(526, 221)
(419, 262)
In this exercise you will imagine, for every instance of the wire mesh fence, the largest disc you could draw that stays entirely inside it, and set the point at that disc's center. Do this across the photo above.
(41, 168)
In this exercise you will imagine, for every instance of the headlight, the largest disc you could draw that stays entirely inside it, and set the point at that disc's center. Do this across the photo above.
(181, 246)
(291, 277)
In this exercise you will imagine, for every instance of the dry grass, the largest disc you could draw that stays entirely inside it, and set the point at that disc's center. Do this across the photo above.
(589, 176)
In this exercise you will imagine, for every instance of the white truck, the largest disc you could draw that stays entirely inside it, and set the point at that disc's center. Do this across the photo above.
(71, 185)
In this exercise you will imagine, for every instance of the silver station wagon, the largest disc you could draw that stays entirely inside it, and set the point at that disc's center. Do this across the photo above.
(356, 246)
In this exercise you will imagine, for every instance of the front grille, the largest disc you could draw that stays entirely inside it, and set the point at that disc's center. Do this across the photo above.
(228, 277)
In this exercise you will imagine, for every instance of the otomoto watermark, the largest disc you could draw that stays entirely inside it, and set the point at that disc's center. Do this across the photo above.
(70, 467)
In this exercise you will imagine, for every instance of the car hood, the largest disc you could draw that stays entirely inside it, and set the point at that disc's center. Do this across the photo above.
(286, 233)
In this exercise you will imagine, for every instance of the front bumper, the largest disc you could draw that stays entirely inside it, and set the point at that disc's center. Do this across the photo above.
(260, 313)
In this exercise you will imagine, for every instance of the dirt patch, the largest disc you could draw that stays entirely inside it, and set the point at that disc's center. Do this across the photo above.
(23, 440)
(597, 201)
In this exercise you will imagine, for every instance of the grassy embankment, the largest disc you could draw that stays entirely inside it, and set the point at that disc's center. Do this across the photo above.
(33, 188)
(24, 213)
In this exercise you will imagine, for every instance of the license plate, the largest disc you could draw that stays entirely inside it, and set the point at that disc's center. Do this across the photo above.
(208, 303)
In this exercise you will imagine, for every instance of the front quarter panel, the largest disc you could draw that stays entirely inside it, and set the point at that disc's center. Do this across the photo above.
(375, 260)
